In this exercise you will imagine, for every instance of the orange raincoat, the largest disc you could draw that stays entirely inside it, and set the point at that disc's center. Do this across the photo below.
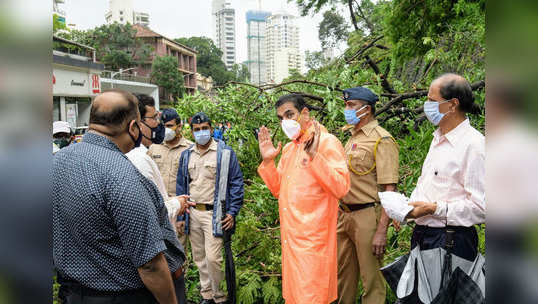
(308, 192)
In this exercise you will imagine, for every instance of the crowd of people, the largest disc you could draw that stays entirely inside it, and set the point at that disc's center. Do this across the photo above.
(128, 197)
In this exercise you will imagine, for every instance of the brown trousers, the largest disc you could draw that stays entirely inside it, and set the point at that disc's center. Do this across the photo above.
(355, 232)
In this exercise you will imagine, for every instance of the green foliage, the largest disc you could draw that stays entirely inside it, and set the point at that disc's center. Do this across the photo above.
(332, 29)
(240, 72)
(116, 45)
(314, 60)
(165, 73)
(311, 6)
(415, 27)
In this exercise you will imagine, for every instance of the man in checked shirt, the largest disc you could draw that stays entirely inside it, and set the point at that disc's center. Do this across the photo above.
(450, 190)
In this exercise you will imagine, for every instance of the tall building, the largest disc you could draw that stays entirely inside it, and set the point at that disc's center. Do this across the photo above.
(256, 45)
(224, 30)
(282, 39)
(122, 11)
(56, 10)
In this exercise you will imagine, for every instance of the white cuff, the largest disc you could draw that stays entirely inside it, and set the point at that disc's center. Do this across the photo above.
(441, 210)
(173, 205)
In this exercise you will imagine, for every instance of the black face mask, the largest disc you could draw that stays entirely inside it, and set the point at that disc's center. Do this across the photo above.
(157, 133)
(62, 142)
(139, 139)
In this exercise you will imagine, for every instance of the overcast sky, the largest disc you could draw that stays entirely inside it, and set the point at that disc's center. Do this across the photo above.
(186, 18)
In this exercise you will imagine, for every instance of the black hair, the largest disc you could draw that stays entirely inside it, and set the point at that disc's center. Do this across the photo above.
(458, 87)
(143, 102)
(115, 117)
(296, 99)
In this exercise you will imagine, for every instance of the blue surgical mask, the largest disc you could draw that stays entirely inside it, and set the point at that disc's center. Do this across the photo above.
(351, 116)
(431, 109)
(202, 137)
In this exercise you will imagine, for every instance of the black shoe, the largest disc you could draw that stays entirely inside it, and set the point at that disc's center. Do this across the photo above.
(206, 301)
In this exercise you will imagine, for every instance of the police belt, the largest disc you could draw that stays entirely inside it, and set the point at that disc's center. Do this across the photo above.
(203, 207)
(355, 207)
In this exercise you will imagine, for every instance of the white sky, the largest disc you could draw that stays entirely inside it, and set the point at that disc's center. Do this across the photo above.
(186, 18)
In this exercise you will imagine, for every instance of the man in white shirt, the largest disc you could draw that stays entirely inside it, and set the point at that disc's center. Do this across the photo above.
(449, 198)
(451, 189)
(150, 129)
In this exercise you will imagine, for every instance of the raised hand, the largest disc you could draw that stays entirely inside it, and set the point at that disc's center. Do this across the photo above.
(267, 149)
(312, 144)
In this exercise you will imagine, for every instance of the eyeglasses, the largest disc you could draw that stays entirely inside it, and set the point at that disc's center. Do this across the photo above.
(154, 117)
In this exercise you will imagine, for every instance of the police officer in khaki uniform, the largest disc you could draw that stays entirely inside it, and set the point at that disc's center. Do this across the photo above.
(372, 157)
(200, 178)
(167, 155)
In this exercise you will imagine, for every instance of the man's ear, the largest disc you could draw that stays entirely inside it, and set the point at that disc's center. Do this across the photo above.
(305, 112)
(132, 127)
(454, 102)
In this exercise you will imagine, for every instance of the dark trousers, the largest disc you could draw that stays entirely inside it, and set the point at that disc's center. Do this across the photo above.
(71, 293)
(465, 246)
(465, 240)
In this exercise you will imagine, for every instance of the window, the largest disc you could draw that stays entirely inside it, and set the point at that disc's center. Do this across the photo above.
(121, 12)
(121, 19)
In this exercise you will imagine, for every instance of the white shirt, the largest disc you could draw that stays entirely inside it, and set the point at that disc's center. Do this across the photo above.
(453, 176)
(147, 166)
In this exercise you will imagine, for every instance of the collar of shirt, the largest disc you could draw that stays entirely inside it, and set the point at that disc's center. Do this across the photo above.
(100, 140)
(141, 149)
(212, 146)
(453, 136)
(367, 128)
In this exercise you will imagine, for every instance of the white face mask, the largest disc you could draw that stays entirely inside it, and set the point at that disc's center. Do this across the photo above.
(169, 134)
(291, 128)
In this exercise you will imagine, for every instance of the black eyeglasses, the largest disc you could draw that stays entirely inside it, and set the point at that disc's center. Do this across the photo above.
(154, 117)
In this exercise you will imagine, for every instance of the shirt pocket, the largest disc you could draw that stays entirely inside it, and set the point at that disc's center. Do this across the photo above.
(446, 176)
(210, 169)
(360, 160)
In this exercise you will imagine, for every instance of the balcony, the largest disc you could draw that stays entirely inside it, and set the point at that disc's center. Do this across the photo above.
(126, 77)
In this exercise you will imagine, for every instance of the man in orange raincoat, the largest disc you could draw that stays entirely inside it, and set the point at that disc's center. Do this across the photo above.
(311, 177)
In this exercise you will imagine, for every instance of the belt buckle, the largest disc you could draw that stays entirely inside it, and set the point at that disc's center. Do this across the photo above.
(200, 207)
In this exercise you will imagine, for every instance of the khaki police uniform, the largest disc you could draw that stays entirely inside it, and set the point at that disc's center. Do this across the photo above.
(361, 211)
(206, 248)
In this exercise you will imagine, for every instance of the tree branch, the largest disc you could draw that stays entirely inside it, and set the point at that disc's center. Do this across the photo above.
(364, 49)
(268, 87)
(363, 16)
(353, 19)
(384, 83)
(400, 97)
